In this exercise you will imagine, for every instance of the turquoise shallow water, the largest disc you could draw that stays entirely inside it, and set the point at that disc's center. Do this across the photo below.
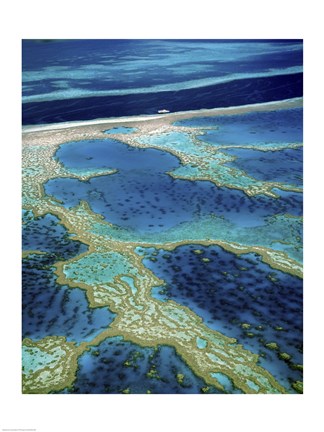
(91, 79)
(201, 343)
(224, 381)
(121, 129)
(130, 282)
(34, 359)
(175, 140)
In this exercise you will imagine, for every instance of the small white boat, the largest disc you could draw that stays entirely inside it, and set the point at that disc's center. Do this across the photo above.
(163, 111)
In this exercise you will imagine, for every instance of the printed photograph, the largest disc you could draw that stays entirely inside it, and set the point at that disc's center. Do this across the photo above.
(162, 216)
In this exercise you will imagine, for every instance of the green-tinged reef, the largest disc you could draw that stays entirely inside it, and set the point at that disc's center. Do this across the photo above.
(49, 364)
(298, 386)
(200, 161)
(27, 253)
(113, 275)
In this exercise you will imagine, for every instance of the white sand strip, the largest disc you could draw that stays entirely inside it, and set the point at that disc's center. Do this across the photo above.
(295, 102)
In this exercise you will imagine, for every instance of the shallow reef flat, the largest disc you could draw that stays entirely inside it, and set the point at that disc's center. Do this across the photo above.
(48, 364)
(103, 216)
(238, 296)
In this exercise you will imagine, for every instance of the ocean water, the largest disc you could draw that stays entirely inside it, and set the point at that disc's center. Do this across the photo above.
(174, 140)
(142, 198)
(121, 129)
(284, 166)
(66, 80)
(116, 366)
(48, 235)
(255, 128)
(50, 309)
(239, 296)
(63, 78)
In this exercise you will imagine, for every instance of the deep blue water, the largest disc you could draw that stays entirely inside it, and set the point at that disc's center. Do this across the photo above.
(269, 127)
(48, 235)
(103, 370)
(67, 80)
(111, 60)
(48, 308)
(231, 290)
(142, 197)
(285, 166)
(242, 92)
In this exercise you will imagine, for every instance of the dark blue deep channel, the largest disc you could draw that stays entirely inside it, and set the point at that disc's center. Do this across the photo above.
(50, 309)
(284, 166)
(142, 197)
(118, 366)
(235, 93)
(239, 296)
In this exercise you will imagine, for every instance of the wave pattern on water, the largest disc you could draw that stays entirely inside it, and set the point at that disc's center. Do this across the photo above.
(62, 79)
(234, 93)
